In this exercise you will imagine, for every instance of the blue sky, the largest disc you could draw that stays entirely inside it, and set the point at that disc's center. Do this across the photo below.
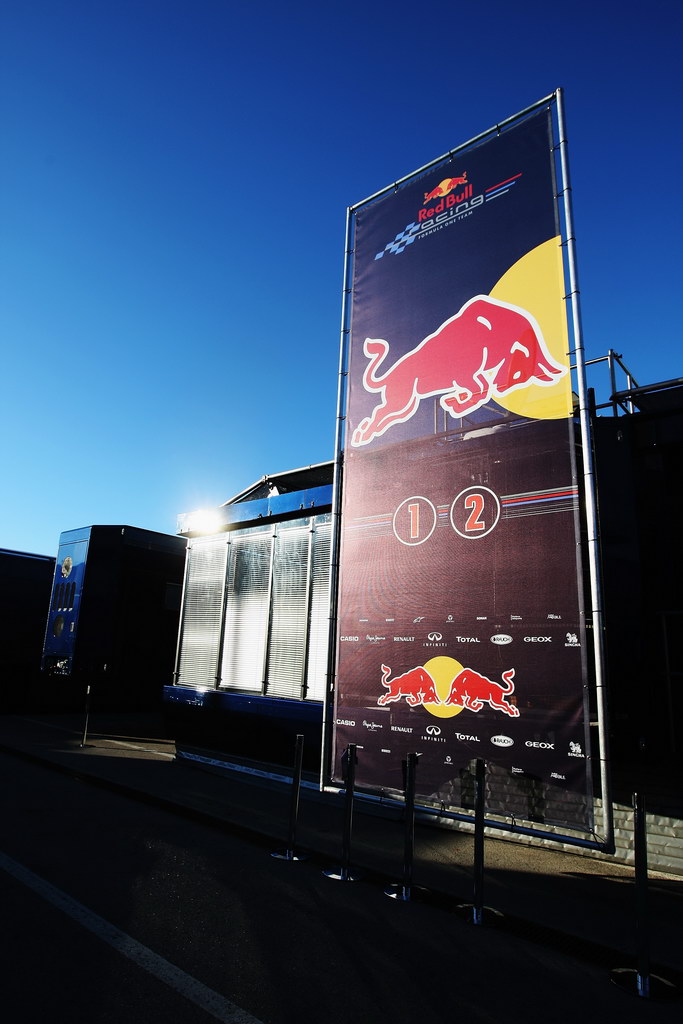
(173, 193)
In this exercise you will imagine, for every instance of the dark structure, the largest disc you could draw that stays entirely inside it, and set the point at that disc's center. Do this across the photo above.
(24, 602)
(639, 469)
(113, 618)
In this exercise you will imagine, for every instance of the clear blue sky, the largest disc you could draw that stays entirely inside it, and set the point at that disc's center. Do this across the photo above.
(173, 191)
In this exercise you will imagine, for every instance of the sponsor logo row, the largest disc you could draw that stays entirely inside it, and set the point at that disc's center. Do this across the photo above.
(450, 620)
(436, 639)
(436, 734)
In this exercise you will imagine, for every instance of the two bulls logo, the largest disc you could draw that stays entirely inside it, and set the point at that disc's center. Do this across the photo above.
(468, 689)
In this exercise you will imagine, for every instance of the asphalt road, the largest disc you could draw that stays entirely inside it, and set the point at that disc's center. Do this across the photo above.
(115, 912)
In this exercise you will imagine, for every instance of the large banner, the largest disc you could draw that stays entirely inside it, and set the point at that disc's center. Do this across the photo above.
(461, 630)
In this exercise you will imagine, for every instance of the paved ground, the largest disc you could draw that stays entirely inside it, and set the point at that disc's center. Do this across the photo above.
(117, 911)
(554, 900)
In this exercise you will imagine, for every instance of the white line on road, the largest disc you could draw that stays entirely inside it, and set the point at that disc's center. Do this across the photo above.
(218, 1006)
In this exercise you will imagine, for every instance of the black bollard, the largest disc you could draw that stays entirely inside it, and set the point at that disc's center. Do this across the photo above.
(87, 715)
(404, 891)
(475, 910)
(290, 853)
(640, 853)
(479, 809)
(345, 873)
(640, 981)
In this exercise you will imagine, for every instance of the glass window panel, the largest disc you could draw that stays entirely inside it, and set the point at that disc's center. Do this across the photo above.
(202, 611)
(288, 613)
(319, 627)
(246, 616)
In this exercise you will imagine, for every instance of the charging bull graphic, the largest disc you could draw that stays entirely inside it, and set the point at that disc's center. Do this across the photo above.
(416, 685)
(444, 187)
(471, 690)
(486, 350)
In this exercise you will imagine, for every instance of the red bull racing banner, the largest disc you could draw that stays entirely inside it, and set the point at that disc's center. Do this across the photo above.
(461, 631)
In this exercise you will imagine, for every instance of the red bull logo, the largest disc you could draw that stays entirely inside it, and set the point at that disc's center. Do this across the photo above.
(471, 690)
(444, 187)
(468, 689)
(416, 685)
(489, 348)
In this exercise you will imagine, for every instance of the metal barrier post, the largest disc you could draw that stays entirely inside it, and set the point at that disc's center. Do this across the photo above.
(475, 910)
(344, 873)
(479, 808)
(87, 715)
(290, 853)
(640, 851)
(640, 981)
(403, 891)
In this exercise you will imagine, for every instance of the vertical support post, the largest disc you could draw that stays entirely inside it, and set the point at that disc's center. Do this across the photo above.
(335, 538)
(630, 384)
(409, 837)
(87, 715)
(612, 382)
(479, 809)
(344, 873)
(638, 981)
(590, 492)
(642, 939)
(290, 853)
(403, 891)
(296, 790)
(348, 809)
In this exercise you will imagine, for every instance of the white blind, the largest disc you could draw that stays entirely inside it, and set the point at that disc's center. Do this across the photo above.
(286, 648)
(319, 627)
(202, 611)
(246, 616)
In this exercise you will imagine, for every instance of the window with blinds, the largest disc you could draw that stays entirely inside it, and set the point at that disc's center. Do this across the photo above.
(319, 616)
(289, 612)
(273, 582)
(202, 611)
(246, 613)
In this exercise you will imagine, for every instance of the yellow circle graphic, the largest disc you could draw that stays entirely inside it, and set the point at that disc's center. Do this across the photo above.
(443, 671)
(535, 284)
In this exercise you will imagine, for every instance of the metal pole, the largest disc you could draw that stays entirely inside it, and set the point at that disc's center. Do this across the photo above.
(87, 715)
(409, 838)
(479, 808)
(404, 890)
(589, 488)
(612, 381)
(325, 758)
(345, 873)
(348, 810)
(640, 851)
(290, 853)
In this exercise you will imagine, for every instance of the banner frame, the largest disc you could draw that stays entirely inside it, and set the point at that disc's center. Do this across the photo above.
(605, 842)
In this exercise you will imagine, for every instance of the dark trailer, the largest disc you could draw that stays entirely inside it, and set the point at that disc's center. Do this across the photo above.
(113, 618)
(24, 601)
(252, 659)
